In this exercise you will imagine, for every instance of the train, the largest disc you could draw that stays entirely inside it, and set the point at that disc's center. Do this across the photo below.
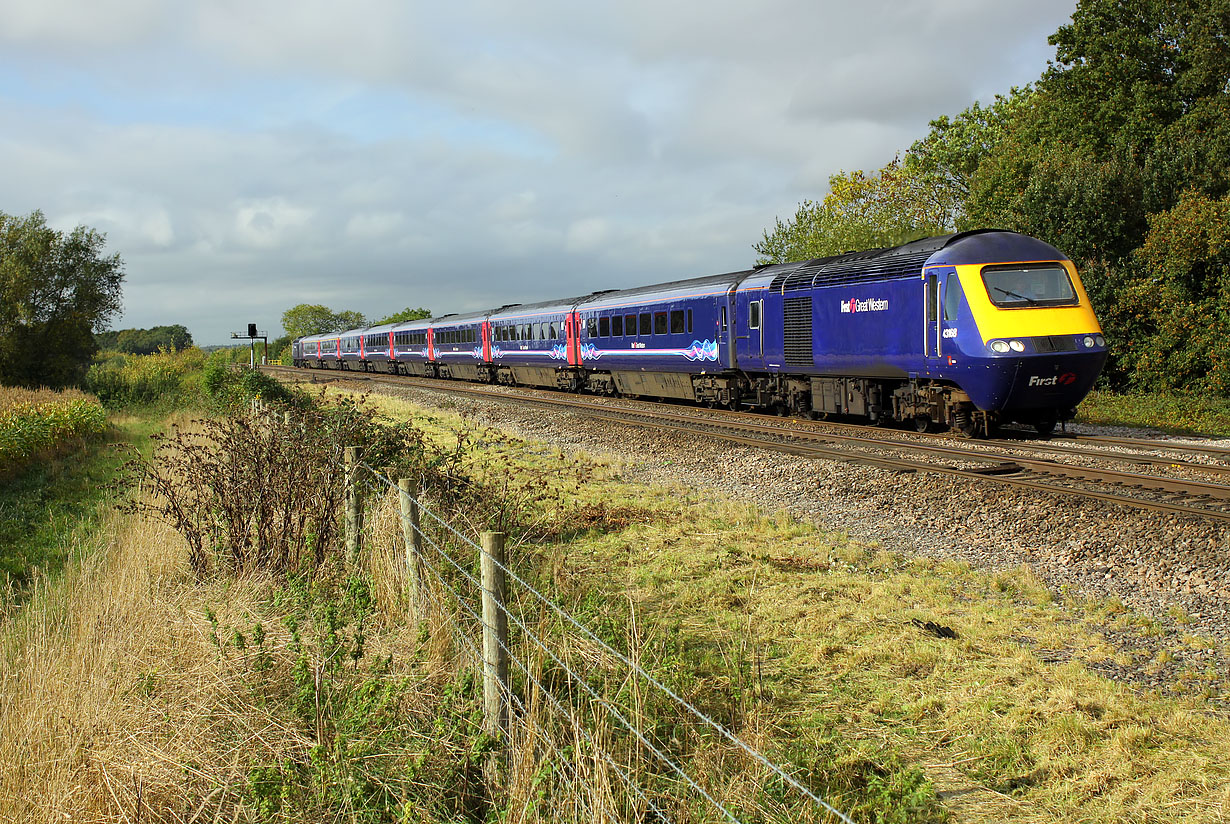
(964, 332)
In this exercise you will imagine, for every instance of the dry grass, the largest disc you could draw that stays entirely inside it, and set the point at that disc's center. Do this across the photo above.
(119, 703)
(1012, 715)
(114, 703)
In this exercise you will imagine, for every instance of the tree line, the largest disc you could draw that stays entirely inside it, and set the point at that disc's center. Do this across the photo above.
(1119, 155)
(315, 319)
(145, 341)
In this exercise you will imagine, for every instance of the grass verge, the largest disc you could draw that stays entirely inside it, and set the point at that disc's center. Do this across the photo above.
(135, 689)
(48, 506)
(1176, 413)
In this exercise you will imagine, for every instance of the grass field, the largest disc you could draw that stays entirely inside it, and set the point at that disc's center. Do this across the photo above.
(1178, 413)
(133, 690)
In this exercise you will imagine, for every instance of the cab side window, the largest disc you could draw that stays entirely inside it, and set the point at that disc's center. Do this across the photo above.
(952, 297)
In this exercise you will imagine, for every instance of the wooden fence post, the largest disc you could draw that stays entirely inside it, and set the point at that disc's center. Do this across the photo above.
(495, 636)
(414, 543)
(354, 507)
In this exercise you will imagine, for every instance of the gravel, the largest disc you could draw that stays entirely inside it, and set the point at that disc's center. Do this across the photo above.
(1175, 569)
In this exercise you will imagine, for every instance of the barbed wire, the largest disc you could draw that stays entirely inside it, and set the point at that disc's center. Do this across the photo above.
(576, 678)
(633, 666)
(542, 689)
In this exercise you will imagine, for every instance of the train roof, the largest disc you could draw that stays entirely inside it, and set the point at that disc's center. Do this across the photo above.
(906, 260)
(556, 306)
(708, 284)
(461, 319)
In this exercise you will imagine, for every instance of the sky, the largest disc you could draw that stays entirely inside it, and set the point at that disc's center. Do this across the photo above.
(245, 156)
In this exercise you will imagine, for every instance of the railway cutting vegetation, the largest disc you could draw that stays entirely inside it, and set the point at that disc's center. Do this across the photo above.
(213, 649)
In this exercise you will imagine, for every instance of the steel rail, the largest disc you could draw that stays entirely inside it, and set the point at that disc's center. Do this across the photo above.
(998, 468)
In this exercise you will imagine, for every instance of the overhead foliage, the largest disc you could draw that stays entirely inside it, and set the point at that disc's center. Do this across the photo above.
(315, 319)
(1117, 155)
(405, 315)
(898, 204)
(145, 341)
(56, 290)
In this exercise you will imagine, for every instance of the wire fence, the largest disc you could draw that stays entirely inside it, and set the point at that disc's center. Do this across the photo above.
(600, 736)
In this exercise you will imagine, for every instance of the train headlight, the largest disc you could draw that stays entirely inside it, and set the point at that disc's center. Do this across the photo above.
(1101, 341)
(1016, 346)
(1000, 346)
(1089, 341)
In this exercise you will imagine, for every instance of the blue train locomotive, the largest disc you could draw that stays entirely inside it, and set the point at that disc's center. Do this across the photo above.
(963, 331)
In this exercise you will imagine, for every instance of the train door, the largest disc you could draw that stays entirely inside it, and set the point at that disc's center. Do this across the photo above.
(572, 340)
(486, 341)
(431, 345)
(748, 329)
(392, 350)
(726, 329)
(931, 315)
(941, 300)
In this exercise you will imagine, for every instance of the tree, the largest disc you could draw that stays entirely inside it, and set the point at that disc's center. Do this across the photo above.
(56, 291)
(901, 202)
(145, 341)
(950, 154)
(314, 319)
(347, 319)
(405, 315)
(1133, 112)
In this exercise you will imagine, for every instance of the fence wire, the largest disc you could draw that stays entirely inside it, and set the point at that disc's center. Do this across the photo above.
(571, 714)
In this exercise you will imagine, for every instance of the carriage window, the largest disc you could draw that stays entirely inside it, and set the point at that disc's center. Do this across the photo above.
(677, 322)
(753, 315)
(723, 318)
(551, 331)
(604, 327)
(630, 325)
(617, 326)
(646, 323)
(591, 327)
(689, 321)
(659, 323)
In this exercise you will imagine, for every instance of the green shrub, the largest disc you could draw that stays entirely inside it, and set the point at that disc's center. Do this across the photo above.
(167, 377)
(230, 388)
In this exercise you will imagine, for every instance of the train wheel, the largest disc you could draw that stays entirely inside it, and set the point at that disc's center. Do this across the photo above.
(922, 423)
(1045, 427)
(965, 424)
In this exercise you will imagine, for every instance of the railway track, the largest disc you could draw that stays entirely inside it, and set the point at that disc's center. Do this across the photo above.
(1067, 466)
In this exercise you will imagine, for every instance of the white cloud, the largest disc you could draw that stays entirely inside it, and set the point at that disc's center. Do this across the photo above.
(61, 23)
(375, 225)
(271, 223)
(464, 154)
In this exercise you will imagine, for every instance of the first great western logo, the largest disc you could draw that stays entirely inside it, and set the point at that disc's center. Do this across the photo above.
(854, 305)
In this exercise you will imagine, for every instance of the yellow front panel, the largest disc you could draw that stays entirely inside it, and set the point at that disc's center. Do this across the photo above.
(994, 322)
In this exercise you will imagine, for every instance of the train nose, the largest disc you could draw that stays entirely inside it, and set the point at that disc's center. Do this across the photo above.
(1043, 382)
